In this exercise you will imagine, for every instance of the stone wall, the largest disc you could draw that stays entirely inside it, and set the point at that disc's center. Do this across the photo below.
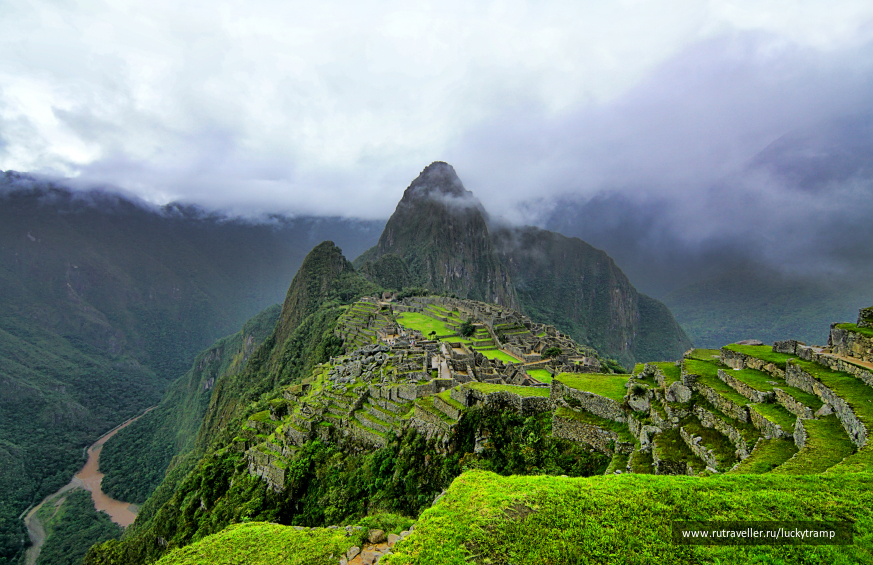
(709, 420)
(728, 407)
(524, 405)
(799, 434)
(605, 441)
(446, 408)
(736, 360)
(695, 444)
(789, 346)
(865, 317)
(594, 403)
(269, 467)
(769, 430)
(366, 436)
(295, 435)
(799, 378)
(851, 344)
(752, 394)
(793, 405)
(430, 418)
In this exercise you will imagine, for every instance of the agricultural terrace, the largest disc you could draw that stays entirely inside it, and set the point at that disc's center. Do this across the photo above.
(609, 386)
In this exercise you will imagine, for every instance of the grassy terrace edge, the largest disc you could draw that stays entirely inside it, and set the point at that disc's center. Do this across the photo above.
(553, 520)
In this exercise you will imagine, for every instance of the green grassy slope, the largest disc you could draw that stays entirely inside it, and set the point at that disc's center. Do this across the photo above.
(628, 519)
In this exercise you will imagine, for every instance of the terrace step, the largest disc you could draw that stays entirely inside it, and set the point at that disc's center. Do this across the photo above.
(767, 455)
(714, 448)
(826, 445)
(848, 395)
(379, 412)
(772, 419)
(371, 421)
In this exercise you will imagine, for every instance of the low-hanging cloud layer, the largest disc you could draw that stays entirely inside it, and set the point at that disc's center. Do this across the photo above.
(747, 121)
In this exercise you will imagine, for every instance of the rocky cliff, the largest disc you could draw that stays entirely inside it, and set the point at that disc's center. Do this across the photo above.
(439, 230)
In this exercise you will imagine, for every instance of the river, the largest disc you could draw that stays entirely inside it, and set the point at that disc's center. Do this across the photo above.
(88, 478)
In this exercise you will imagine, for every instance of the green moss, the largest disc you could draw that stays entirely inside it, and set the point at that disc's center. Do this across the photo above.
(610, 386)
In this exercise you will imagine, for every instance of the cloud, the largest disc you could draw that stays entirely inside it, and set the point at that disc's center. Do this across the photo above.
(333, 107)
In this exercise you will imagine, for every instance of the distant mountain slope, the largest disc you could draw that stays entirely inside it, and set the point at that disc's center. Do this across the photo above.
(103, 301)
(439, 238)
(581, 290)
(762, 304)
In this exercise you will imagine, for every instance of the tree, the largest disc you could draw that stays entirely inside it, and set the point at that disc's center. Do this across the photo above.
(466, 329)
(552, 352)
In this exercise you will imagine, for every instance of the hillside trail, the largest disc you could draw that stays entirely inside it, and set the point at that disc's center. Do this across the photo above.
(87, 478)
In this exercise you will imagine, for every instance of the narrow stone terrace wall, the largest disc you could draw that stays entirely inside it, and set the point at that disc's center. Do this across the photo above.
(594, 403)
(799, 378)
(605, 441)
(709, 420)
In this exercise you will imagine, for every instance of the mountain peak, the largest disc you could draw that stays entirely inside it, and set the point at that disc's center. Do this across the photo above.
(438, 179)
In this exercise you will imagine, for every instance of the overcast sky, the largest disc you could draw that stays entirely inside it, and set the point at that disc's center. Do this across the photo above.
(333, 107)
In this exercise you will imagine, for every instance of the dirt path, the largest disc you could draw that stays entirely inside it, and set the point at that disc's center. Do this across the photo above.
(88, 478)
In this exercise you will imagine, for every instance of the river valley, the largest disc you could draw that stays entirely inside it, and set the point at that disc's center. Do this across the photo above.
(88, 478)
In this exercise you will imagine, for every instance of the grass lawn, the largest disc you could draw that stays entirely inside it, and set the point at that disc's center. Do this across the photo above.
(519, 390)
(853, 390)
(422, 323)
(541, 375)
(705, 354)
(498, 354)
(866, 332)
(610, 386)
(672, 373)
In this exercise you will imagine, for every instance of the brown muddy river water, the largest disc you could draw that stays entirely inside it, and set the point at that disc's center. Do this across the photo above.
(122, 513)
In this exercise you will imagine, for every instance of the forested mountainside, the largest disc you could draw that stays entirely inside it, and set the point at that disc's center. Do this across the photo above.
(103, 301)
(439, 238)
(361, 412)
